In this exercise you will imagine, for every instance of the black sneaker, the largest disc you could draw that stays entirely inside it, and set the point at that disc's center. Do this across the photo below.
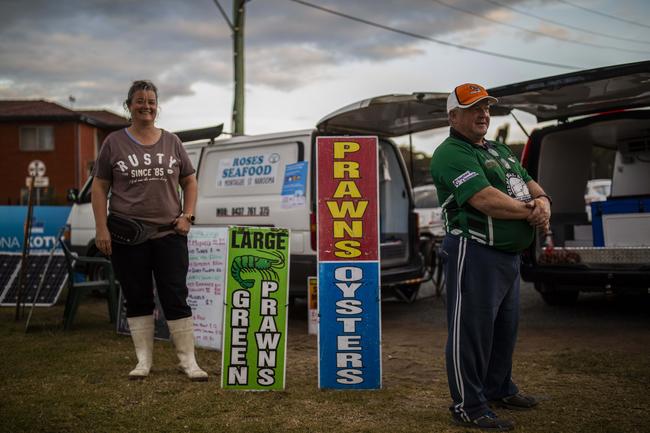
(488, 421)
(516, 402)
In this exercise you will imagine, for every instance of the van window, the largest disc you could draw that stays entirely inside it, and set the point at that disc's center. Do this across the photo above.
(244, 171)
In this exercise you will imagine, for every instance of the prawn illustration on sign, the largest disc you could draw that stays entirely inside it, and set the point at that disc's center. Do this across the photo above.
(255, 313)
(264, 265)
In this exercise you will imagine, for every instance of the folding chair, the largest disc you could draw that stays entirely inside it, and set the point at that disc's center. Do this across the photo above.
(76, 289)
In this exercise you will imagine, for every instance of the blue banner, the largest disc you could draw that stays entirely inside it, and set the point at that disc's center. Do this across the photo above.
(46, 223)
(349, 327)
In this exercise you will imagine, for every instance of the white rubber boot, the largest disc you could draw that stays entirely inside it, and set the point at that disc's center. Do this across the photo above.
(142, 328)
(182, 331)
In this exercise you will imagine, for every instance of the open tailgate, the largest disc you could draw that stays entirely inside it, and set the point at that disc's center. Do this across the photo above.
(590, 91)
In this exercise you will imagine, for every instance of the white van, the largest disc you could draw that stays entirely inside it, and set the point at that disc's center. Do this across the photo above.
(244, 181)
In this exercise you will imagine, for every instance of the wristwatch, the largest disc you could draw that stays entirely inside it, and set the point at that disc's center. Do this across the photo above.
(188, 216)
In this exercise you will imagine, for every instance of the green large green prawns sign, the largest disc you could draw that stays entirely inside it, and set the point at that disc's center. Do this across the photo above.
(255, 314)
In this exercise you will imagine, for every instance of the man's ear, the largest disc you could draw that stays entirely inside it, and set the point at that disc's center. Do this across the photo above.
(451, 117)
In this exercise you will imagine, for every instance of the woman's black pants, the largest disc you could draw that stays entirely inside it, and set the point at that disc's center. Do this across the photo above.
(166, 260)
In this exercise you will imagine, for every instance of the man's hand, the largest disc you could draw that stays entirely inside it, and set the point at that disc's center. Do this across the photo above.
(540, 215)
(103, 240)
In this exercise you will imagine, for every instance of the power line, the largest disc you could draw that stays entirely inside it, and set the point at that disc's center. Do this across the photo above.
(427, 38)
(636, 23)
(534, 32)
(519, 11)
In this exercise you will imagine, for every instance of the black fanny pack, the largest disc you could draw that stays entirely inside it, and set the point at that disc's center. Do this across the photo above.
(129, 231)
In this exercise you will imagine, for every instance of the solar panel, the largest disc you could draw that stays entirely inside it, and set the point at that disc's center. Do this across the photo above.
(56, 276)
(8, 269)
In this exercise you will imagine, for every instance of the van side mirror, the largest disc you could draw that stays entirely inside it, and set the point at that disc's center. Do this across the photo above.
(73, 195)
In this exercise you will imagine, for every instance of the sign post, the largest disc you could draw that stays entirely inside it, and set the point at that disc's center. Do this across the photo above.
(23, 262)
(255, 314)
(349, 338)
(312, 306)
(36, 178)
(34, 169)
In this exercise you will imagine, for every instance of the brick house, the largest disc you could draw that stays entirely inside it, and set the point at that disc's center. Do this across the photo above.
(66, 140)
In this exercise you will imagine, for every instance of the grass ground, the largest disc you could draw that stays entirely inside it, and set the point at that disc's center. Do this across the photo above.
(55, 381)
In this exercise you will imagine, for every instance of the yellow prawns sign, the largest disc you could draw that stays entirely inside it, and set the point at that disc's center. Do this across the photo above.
(349, 332)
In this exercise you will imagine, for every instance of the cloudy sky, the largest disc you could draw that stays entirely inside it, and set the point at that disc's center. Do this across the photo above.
(302, 62)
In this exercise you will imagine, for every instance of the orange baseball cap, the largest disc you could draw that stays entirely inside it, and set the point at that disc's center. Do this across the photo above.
(468, 94)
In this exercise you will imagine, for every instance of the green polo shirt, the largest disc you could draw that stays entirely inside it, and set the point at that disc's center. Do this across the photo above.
(460, 169)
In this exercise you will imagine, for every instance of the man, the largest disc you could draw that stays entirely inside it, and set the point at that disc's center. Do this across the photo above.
(491, 208)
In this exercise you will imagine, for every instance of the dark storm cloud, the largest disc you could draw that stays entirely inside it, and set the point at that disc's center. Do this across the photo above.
(92, 49)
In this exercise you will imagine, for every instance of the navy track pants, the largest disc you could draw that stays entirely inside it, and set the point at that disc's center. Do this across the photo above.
(482, 320)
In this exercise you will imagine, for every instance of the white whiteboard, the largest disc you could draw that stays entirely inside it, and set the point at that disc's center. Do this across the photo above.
(207, 248)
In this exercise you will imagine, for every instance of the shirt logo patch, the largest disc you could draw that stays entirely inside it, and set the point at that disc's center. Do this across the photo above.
(464, 178)
(490, 163)
(517, 188)
(505, 164)
(493, 152)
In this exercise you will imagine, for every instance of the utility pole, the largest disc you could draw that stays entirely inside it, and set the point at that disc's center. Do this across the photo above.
(239, 13)
(24, 261)
(237, 28)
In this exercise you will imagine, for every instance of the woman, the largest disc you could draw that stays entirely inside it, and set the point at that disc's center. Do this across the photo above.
(143, 166)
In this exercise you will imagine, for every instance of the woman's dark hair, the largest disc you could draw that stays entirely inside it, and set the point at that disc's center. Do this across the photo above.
(139, 85)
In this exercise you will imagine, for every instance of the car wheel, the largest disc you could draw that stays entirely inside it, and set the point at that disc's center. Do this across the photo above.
(556, 296)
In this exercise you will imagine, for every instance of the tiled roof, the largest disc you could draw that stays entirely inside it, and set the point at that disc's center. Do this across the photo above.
(105, 117)
(36, 108)
(46, 110)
